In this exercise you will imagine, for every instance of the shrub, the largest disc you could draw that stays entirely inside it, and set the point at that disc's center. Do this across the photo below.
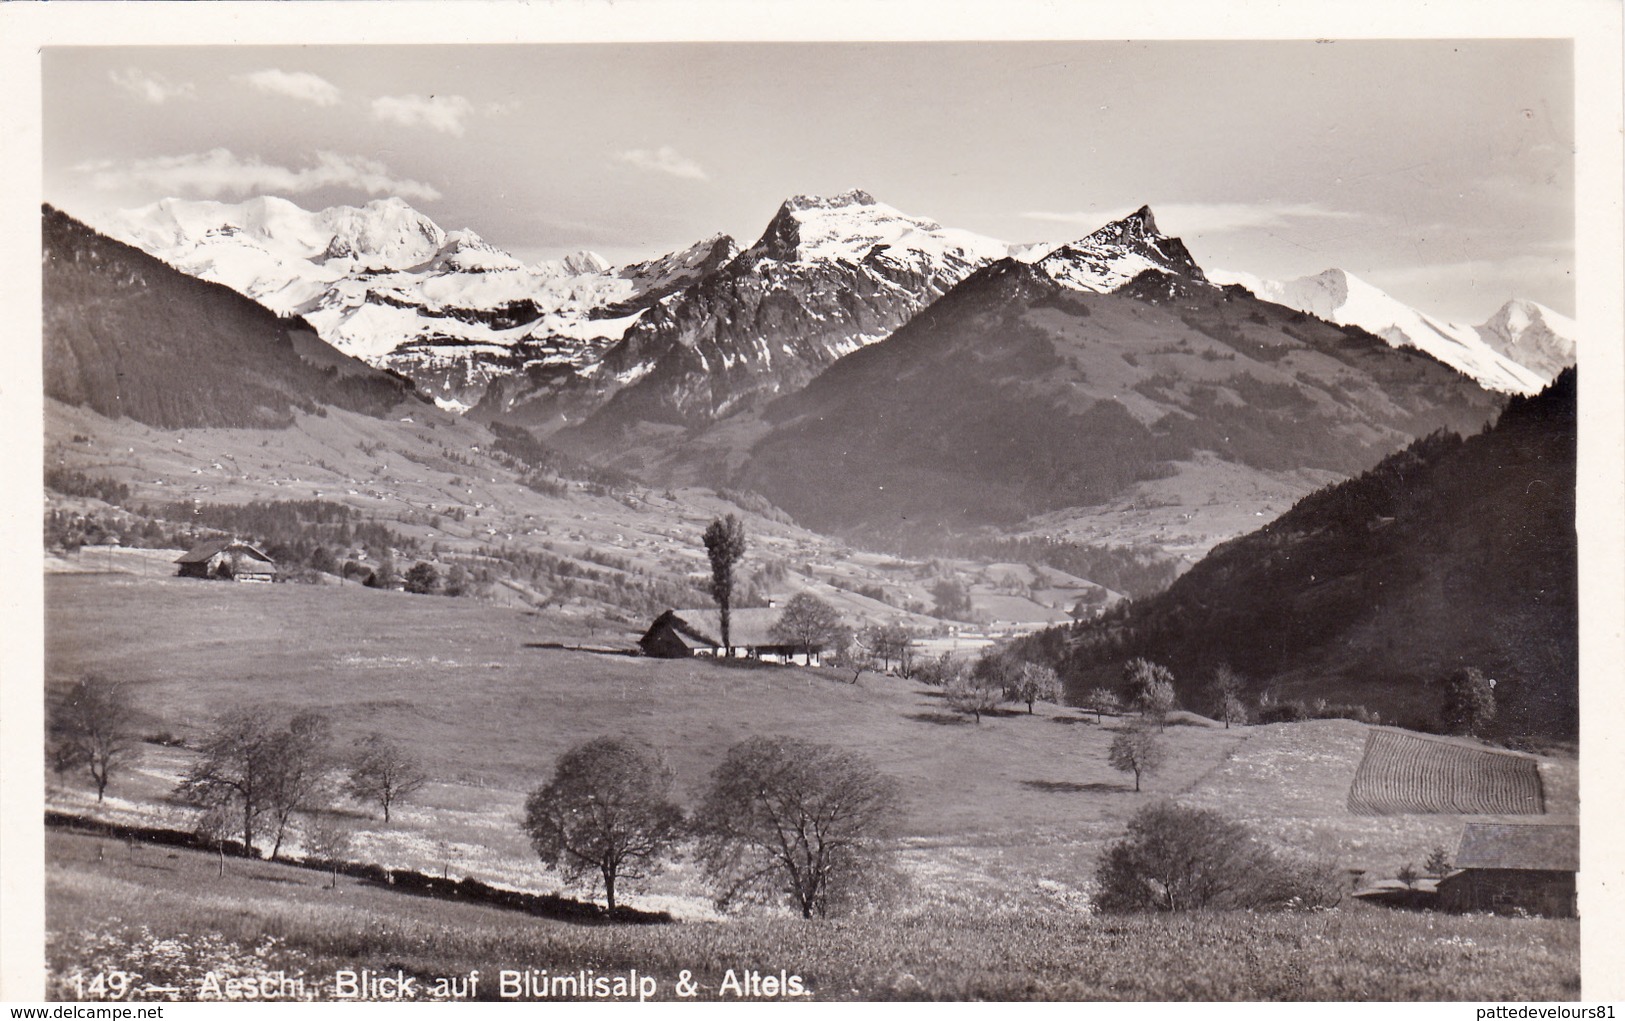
(1283, 712)
(1469, 702)
(1185, 859)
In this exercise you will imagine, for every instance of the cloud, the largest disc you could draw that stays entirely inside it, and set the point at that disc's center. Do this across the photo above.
(439, 113)
(1201, 218)
(220, 172)
(301, 85)
(1500, 275)
(150, 86)
(664, 160)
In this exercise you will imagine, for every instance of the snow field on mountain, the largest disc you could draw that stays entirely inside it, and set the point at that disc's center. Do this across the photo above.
(1342, 298)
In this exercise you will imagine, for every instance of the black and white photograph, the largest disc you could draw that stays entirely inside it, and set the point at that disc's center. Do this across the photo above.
(614, 503)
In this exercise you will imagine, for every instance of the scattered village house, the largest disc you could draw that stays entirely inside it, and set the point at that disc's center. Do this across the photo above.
(228, 559)
(1503, 867)
(679, 633)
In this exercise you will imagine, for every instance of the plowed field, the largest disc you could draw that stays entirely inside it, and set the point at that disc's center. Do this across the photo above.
(1404, 774)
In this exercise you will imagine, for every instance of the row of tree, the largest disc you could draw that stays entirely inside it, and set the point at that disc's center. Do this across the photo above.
(784, 820)
(983, 685)
(256, 770)
(260, 769)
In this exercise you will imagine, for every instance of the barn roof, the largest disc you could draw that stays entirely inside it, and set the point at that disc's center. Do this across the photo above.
(749, 626)
(210, 547)
(1519, 846)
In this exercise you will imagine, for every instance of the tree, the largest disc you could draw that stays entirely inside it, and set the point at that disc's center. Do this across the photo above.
(1138, 750)
(91, 725)
(384, 575)
(890, 643)
(255, 767)
(422, 578)
(789, 819)
(607, 810)
(1469, 702)
(457, 581)
(1438, 863)
(1140, 677)
(974, 691)
(939, 671)
(322, 559)
(1175, 858)
(383, 773)
(213, 829)
(231, 771)
(850, 653)
(951, 599)
(299, 774)
(1104, 700)
(725, 546)
(1224, 686)
(1408, 875)
(1037, 683)
(805, 622)
(1233, 710)
(1157, 701)
(327, 841)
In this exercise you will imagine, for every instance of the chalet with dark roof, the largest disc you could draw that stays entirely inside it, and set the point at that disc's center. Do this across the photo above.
(679, 633)
(1507, 867)
(227, 560)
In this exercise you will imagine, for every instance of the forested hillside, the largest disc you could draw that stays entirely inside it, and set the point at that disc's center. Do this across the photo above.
(126, 335)
(1454, 552)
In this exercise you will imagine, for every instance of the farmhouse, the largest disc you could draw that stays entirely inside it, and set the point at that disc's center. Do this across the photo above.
(1502, 867)
(678, 633)
(229, 559)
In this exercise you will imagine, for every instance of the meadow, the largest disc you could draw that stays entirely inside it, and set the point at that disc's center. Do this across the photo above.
(167, 917)
(1000, 826)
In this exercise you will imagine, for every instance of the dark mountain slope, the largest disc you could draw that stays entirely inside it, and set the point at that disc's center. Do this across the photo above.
(126, 335)
(1015, 395)
(1450, 553)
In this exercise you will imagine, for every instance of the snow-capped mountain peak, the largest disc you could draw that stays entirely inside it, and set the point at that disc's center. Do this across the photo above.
(1532, 335)
(1117, 253)
(682, 267)
(466, 252)
(1340, 297)
(850, 197)
(383, 234)
(852, 227)
(583, 262)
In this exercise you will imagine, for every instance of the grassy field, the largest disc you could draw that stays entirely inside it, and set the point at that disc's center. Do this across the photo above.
(1031, 799)
(998, 835)
(167, 917)
(1291, 783)
(465, 685)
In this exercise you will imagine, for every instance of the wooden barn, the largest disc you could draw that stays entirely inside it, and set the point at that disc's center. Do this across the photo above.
(1504, 867)
(679, 633)
(228, 560)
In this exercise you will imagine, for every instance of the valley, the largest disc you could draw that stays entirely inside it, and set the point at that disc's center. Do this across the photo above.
(1013, 457)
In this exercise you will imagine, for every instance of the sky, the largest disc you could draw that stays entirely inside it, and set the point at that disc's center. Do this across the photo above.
(1441, 171)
